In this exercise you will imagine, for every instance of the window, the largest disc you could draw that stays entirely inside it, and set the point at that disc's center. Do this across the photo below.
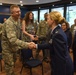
(42, 12)
(60, 9)
(71, 14)
(35, 15)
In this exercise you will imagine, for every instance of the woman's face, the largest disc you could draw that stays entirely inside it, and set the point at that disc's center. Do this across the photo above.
(30, 16)
(50, 21)
(63, 26)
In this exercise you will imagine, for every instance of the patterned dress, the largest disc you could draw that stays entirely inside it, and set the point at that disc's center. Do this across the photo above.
(31, 30)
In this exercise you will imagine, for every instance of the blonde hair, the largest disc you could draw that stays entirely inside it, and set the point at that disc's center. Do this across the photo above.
(57, 17)
(12, 7)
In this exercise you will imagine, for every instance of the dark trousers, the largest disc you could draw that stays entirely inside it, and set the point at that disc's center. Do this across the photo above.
(74, 55)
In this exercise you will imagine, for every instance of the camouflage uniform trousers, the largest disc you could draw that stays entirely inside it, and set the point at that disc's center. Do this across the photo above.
(9, 60)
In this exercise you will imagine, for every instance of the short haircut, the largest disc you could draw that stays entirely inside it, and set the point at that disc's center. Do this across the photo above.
(12, 7)
(45, 14)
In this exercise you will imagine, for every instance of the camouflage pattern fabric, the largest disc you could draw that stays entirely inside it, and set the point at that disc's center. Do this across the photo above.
(41, 33)
(11, 43)
(42, 29)
(1, 25)
(30, 28)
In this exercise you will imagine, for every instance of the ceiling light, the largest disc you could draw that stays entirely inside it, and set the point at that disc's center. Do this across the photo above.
(20, 1)
(39, 7)
(21, 4)
(71, 2)
(0, 3)
(37, 0)
(53, 5)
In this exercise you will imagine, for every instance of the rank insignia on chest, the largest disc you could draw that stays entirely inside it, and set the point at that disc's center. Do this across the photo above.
(56, 32)
(50, 41)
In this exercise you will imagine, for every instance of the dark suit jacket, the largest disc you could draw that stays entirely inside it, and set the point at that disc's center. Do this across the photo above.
(61, 62)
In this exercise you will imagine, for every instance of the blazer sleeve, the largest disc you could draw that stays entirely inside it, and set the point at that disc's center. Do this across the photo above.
(44, 46)
(60, 45)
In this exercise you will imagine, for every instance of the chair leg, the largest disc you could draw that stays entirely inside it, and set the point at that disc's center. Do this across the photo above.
(1, 65)
(42, 70)
(30, 71)
(21, 70)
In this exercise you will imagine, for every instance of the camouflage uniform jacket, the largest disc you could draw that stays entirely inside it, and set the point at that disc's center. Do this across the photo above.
(1, 25)
(10, 37)
(42, 29)
(72, 28)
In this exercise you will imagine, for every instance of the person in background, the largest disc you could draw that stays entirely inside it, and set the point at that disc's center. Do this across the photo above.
(66, 29)
(11, 39)
(61, 62)
(28, 28)
(73, 30)
(4, 19)
(1, 25)
(36, 23)
(41, 34)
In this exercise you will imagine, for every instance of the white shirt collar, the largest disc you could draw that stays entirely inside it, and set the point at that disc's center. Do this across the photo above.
(53, 28)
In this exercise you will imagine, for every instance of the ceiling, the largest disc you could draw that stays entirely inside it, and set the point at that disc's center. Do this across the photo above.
(27, 2)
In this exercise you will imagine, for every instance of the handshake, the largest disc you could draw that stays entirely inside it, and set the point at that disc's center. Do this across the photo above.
(31, 45)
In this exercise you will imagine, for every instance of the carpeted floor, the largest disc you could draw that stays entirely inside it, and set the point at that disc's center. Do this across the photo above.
(35, 71)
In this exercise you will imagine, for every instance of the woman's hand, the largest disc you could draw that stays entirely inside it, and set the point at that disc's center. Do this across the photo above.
(32, 37)
(36, 38)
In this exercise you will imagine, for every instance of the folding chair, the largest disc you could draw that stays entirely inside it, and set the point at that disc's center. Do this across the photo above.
(29, 61)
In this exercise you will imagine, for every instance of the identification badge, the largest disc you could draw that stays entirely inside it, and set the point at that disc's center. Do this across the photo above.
(50, 41)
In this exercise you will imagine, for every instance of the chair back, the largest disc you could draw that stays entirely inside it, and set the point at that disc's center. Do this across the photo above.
(26, 54)
(28, 60)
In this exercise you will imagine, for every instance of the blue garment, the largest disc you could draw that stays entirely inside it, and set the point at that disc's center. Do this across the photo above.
(69, 37)
(74, 52)
(61, 62)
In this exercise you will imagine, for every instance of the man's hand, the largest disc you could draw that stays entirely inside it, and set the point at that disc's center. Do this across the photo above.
(31, 45)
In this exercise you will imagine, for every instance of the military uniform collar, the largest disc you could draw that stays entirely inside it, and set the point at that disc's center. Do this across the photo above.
(15, 22)
(55, 30)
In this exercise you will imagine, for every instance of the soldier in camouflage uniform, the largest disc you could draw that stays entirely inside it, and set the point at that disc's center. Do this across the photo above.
(73, 31)
(1, 25)
(11, 42)
(41, 33)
